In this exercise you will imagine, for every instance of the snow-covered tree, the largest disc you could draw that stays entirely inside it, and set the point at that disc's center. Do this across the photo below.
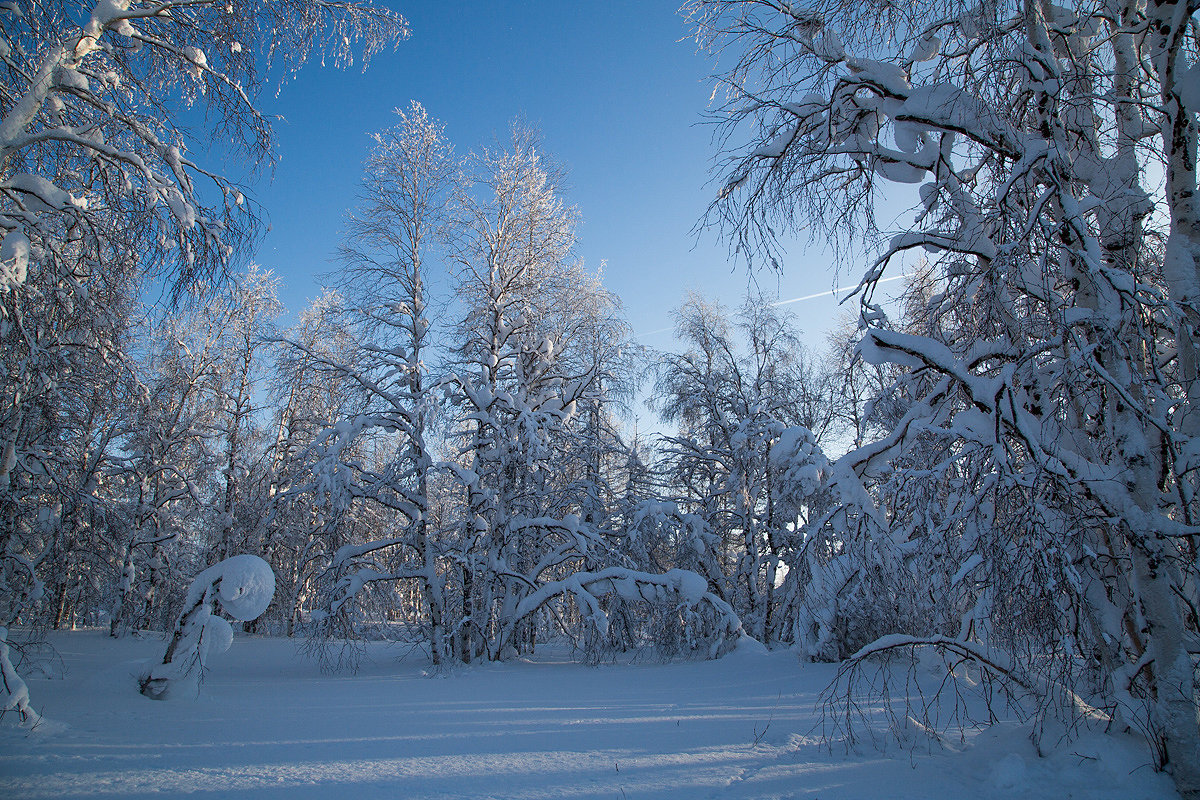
(65, 383)
(313, 393)
(243, 320)
(514, 252)
(164, 463)
(1054, 385)
(96, 168)
(98, 190)
(192, 450)
(14, 694)
(242, 586)
(392, 235)
(530, 353)
(590, 322)
(734, 391)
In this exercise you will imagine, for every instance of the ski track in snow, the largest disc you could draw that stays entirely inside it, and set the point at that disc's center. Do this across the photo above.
(268, 724)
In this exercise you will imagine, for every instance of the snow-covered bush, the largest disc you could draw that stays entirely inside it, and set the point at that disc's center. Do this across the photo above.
(687, 619)
(846, 582)
(241, 586)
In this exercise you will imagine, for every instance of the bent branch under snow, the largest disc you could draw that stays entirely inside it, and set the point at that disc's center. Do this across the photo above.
(684, 587)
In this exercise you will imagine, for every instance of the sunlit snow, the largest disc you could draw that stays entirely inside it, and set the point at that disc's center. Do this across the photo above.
(268, 724)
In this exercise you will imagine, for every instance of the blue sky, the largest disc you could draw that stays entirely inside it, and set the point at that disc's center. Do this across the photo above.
(617, 89)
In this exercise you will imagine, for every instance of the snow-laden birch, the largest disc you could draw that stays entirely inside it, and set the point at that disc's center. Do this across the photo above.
(1058, 377)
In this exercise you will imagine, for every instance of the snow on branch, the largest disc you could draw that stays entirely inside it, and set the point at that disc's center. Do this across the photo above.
(687, 589)
(15, 694)
(996, 662)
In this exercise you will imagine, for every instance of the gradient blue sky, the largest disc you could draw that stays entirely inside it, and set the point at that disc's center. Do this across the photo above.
(618, 90)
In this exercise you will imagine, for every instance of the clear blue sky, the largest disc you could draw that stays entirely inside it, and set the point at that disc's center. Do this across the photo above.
(618, 90)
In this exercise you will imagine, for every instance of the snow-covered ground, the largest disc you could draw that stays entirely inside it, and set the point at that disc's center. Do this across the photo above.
(268, 724)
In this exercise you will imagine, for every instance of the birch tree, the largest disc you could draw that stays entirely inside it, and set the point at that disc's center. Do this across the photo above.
(526, 361)
(315, 394)
(164, 467)
(1058, 380)
(741, 383)
(99, 189)
(513, 253)
(243, 322)
(391, 237)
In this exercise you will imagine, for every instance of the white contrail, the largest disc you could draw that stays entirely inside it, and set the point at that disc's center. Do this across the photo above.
(833, 292)
(830, 293)
(652, 333)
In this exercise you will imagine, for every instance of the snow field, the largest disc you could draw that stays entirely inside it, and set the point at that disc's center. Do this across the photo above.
(268, 724)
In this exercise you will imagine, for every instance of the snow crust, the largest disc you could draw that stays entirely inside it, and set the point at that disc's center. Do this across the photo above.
(271, 725)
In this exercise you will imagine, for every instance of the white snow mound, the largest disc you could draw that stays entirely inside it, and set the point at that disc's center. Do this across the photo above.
(218, 637)
(247, 586)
